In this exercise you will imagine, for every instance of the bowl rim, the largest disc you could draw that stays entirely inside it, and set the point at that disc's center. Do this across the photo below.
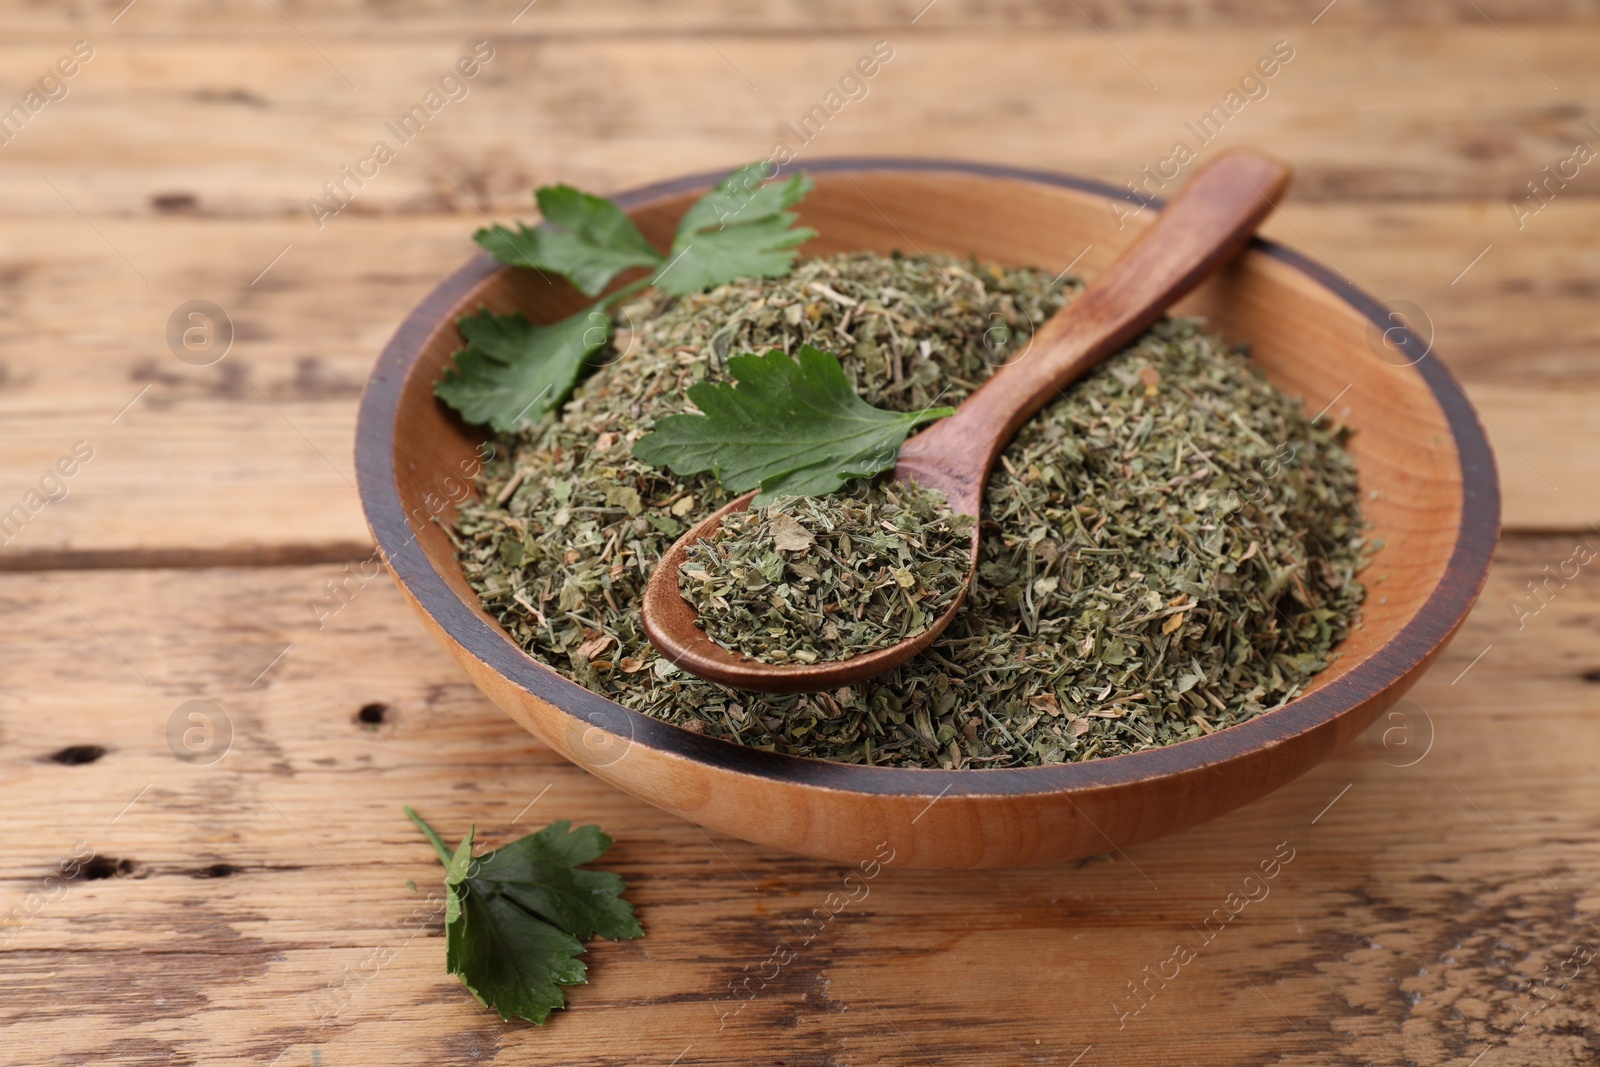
(1405, 651)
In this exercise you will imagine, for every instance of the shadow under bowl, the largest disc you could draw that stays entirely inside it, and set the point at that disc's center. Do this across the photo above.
(1427, 476)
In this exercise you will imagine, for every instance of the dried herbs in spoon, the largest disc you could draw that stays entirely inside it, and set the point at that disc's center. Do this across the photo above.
(806, 579)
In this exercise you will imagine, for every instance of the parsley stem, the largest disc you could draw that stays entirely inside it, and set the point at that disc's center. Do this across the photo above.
(445, 855)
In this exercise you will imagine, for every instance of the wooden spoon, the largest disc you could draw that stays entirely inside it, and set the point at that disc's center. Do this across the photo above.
(1201, 229)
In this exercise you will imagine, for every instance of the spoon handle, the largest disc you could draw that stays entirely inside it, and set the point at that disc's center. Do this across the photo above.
(1209, 221)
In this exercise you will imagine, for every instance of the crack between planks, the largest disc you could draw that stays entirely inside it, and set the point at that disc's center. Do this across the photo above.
(177, 558)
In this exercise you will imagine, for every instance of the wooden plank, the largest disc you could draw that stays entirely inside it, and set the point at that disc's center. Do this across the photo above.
(1548, 470)
(249, 459)
(255, 906)
(409, 18)
(254, 125)
(1504, 308)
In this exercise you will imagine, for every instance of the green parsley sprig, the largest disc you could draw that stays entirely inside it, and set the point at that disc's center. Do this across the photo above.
(516, 918)
(513, 372)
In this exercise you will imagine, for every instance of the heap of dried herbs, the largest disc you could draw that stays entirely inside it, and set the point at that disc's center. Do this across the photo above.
(1169, 549)
(814, 578)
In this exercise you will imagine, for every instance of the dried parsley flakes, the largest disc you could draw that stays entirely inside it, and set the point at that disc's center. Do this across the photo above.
(807, 579)
(1169, 549)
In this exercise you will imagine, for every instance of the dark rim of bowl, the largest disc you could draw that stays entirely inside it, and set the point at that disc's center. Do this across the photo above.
(1433, 623)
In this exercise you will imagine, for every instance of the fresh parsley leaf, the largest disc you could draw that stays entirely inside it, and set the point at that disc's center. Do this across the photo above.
(792, 428)
(743, 196)
(586, 239)
(741, 229)
(515, 918)
(512, 372)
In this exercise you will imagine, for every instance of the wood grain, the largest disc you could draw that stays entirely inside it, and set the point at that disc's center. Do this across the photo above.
(1405, 930)
(400, 19)
(253, 125)
(191, 144)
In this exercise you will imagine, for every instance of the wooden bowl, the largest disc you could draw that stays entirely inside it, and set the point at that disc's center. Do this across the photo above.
(1427, 475)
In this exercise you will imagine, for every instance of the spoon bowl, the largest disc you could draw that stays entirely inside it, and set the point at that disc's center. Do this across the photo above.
(1203, 227)
(673, 627)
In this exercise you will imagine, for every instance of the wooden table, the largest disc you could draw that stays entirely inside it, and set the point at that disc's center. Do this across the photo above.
(256, 909)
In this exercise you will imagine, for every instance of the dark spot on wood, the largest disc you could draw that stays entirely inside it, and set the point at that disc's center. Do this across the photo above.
(251, 329)
(9, 378)
(1591, 675)
(77, 755)
(479, 1045)
(99, 867)
(217, 870)
(373, 714)
(228, 380)
(139, 1050)
(228, 96)
(313, 381)
(1485, 145)
(174, 203)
